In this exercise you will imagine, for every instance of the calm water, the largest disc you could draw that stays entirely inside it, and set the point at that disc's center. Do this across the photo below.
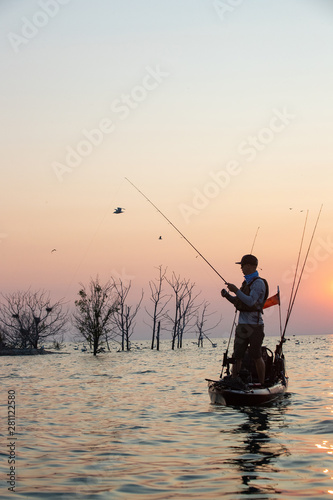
(139, 425)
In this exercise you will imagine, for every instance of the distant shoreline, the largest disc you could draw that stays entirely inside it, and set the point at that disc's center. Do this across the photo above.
(27, 352)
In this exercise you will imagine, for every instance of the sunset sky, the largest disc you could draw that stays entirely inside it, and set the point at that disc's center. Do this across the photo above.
(220, 112)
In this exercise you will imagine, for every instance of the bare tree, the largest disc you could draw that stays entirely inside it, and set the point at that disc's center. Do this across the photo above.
(28, 318)
(124, 316)
(201, 319)
(158, 299)
(185, 308)
(94, 312)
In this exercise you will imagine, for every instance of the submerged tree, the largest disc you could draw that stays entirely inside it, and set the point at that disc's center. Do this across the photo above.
(185, 308)
(123, 318)
(94, 312)
(200, 324)
(28, 318)
(159, 304)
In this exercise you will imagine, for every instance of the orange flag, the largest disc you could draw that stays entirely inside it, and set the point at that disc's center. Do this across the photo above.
(272, 301)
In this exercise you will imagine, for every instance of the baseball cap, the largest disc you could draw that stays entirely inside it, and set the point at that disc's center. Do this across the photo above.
(248, 259)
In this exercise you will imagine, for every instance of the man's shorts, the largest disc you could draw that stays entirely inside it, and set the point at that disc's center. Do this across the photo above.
(248, 335)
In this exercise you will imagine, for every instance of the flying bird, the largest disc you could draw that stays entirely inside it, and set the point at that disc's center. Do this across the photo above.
(118, 210)
(160, 238)
(54, 250)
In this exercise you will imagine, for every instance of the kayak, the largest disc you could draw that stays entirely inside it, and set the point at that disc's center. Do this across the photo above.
(251, 395)
(245, 390)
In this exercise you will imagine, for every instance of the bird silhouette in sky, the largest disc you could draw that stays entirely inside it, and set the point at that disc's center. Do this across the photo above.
(54, 250)
(160, 238)
(118, 210)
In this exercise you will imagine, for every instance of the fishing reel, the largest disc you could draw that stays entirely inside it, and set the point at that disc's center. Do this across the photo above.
(227, 362)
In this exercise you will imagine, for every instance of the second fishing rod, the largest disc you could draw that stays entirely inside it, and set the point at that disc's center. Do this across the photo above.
(181, 234)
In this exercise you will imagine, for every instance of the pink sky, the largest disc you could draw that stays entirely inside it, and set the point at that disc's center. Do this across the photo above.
(223, 122)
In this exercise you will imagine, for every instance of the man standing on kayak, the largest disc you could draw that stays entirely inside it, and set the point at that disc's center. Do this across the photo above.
(249, 301)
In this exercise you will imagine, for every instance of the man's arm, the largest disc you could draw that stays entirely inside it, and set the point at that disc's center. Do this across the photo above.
(227, 296)
(257, 292)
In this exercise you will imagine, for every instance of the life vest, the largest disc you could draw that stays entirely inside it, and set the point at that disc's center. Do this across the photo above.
(246, 288)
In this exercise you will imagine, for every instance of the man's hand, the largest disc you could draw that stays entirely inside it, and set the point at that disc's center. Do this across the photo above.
(224, 292)
(232, 288)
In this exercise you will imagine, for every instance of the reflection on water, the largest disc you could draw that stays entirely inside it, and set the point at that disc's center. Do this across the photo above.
(256, 455)
(140, 425)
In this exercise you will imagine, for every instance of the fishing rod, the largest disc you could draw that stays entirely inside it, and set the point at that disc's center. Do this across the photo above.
(181, 234)
(297, 264)
(225, 355)
(301, 274)
(255, 237)
(280, 317)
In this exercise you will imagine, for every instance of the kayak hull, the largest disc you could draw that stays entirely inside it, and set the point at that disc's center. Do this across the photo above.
(252, 395)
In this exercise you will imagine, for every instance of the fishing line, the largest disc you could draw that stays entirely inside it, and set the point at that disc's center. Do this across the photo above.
(85, 252)
(181, 234)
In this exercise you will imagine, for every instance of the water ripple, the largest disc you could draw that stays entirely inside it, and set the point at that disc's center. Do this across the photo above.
(140, 425)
